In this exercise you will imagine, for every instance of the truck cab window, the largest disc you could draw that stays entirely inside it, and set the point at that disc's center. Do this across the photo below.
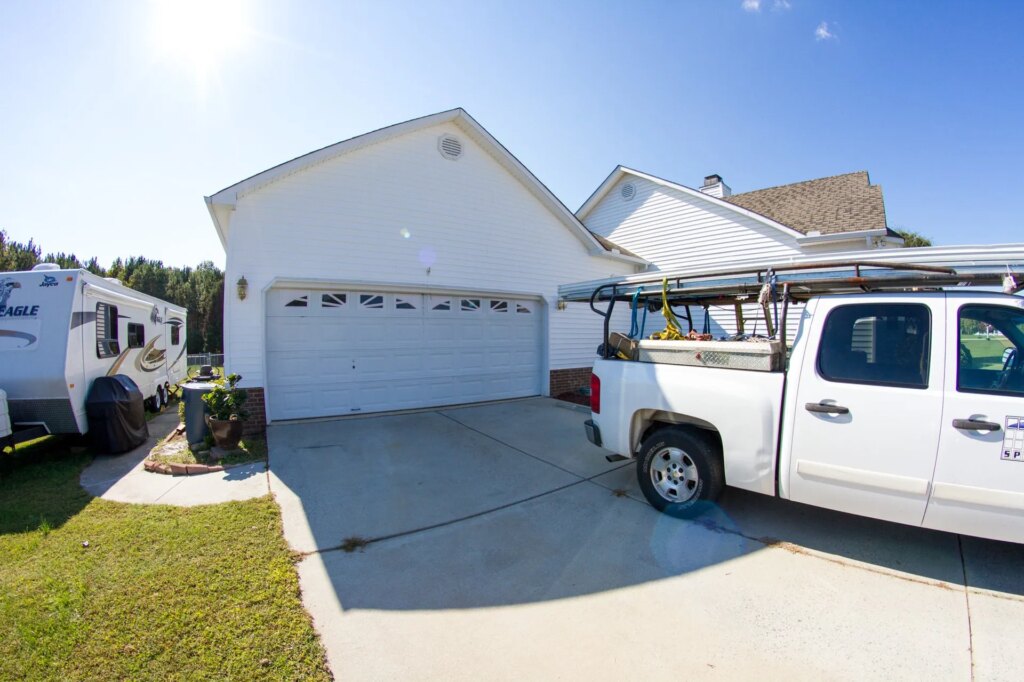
(106, 331)
(136, 335)
(991, 341)
(877, 343)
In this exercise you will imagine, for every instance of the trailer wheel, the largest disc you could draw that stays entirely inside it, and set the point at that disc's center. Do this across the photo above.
(679, 472)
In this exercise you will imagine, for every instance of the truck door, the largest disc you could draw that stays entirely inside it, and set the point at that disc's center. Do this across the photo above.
(869, 396)
(979, 476)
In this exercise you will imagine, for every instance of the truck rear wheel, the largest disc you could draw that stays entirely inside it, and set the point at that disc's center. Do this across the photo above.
(679, 472)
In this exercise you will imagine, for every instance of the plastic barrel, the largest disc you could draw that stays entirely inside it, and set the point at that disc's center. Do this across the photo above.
(196, 429)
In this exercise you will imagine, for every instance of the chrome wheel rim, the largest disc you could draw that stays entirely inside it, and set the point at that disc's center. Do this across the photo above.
(674, 475)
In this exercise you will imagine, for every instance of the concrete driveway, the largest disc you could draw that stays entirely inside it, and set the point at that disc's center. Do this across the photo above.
(502, 545)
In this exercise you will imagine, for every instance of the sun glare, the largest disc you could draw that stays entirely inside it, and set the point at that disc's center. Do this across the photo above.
(199, 34)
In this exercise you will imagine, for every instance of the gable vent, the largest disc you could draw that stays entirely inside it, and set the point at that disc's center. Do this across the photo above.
(628, 191)
(450, 147)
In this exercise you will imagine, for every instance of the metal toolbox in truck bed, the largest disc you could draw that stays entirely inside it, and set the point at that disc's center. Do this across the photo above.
(759, 356)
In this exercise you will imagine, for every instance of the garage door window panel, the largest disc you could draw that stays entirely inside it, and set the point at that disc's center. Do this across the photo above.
(406, 303)
(333, 301)
(291, 303)
(371, 301)
(440, 304)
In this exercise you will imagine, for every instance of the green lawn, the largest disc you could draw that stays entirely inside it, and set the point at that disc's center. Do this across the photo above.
(987, 352)
(160, 593)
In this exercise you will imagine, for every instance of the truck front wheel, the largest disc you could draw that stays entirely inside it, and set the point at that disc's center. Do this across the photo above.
(679, 473)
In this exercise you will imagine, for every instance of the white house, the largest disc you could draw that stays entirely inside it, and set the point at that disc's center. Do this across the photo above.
(676, 227)
(419, 265)
(413, 266)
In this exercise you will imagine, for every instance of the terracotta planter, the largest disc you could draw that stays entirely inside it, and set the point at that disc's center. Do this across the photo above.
(226, 432)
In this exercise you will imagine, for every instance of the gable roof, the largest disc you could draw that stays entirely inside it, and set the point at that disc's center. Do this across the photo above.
(622, 171)
(222, 203)
(852, 200)
(840, 203)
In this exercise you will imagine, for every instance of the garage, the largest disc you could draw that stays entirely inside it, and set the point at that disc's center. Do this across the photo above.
(415, 266)
(340, 351)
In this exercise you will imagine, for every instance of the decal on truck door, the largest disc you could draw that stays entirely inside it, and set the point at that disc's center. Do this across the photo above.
(1013, 441)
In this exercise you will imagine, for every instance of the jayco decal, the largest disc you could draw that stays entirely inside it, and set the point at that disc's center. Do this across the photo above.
(48, 281)
(1013, 441)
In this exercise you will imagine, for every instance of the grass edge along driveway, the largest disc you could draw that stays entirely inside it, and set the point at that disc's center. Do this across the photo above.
(159, 592)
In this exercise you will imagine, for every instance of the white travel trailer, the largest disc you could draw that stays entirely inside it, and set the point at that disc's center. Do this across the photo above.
(61, 329)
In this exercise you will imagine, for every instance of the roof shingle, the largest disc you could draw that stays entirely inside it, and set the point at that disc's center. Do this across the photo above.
(840, 203)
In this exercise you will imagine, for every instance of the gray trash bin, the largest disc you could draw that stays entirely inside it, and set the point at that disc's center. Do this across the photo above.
(196, 429)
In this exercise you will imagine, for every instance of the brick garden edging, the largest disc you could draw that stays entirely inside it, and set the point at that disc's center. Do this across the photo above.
(181, 469)
(176, 469)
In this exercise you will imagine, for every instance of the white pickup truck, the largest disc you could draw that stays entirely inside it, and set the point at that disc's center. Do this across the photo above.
(906, 406)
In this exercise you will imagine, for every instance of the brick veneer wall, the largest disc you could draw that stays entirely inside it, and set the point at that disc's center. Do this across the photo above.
(257, 422)
(565, 380)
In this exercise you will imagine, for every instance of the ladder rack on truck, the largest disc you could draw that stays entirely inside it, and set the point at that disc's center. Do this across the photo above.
(768, 288)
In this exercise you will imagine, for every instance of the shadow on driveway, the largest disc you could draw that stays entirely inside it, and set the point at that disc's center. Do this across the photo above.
(493, 541)
(508, 503)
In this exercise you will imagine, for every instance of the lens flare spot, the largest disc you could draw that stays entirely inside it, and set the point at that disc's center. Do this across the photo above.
(427, 256)
(405, 233)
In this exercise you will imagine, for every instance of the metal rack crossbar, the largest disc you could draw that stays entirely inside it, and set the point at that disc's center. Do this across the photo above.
(787, 283)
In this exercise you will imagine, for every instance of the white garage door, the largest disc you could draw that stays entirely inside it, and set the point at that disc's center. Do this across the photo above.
(337, 352)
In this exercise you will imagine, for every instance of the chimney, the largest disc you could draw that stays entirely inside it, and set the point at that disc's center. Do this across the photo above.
(714, 186)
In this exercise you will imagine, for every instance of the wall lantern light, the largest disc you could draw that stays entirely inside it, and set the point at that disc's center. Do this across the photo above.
(243, 288)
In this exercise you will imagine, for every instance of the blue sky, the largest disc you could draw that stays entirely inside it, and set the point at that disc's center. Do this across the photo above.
(118, 117)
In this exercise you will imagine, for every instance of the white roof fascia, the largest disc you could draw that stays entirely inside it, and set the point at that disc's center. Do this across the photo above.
(221, 232)
(227, 197)
(842, 236)
(616, 174)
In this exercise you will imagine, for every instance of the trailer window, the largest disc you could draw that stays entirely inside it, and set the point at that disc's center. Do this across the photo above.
(877, 343)
(106, 331)
(175, 335)
(136, 335)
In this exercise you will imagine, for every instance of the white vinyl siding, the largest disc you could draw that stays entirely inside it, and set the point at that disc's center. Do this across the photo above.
(398, 213)
(674, 230)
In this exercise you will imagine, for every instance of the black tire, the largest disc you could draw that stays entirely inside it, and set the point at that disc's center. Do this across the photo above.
(697, 479)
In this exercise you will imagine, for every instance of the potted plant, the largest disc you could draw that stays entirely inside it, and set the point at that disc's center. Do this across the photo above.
(226, 417)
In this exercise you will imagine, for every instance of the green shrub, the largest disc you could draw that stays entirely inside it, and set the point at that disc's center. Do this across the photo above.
(225, 400)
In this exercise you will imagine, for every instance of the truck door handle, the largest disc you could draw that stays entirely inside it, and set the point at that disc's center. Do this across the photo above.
(974, 425)
(826, 408)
